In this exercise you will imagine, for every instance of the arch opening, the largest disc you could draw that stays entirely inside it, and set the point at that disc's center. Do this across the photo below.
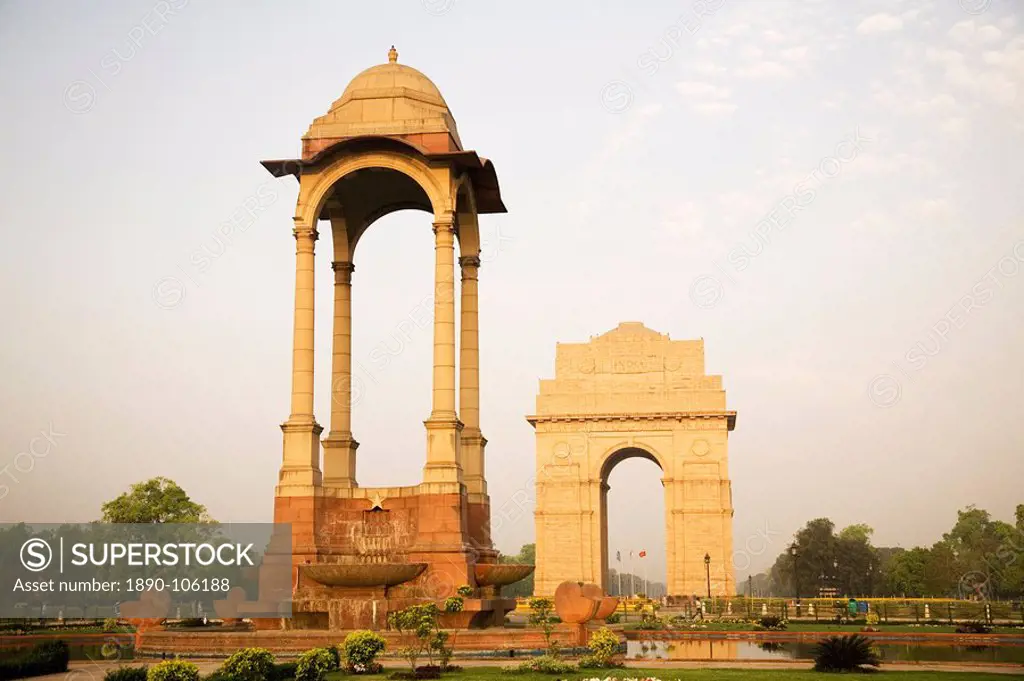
(391, 346)
(633, 521)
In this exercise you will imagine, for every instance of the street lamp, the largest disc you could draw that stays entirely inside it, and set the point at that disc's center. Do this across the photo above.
(707, 571)
(796, 578)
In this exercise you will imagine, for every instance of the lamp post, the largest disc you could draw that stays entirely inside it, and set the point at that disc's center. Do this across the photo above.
(707, 571)
(796, 578)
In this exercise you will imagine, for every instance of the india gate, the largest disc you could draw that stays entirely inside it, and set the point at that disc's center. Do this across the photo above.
(633, 392)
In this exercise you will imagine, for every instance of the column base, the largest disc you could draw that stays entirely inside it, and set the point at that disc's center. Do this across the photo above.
(444, 435)
(300, 468)
(340, 460)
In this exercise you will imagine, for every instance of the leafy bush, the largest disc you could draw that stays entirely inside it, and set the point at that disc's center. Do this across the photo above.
(679, 622)
(284, 671)
(650, 622)
(465, 591)
(315, 664)
(613, 618)
(604, 645)
(542, 614)
(110, 624)
(173, 670)
(844, 654)
(871, 619)
(126, 674)
(771, 623)
(361, 651)
(250, 664)
(545, 664)
(417, 626)
(453, 604)
(218, 675)
(50, 657)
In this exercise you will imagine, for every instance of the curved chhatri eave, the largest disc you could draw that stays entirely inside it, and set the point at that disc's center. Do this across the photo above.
(371, 574)
(500, 574)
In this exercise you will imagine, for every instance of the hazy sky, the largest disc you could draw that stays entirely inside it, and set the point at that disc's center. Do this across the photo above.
(828, 193)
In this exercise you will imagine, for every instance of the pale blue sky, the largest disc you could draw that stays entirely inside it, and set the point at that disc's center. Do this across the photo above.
(639, 148)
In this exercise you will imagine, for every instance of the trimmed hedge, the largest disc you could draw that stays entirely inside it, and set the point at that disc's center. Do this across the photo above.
(50, 657)
(126, 674)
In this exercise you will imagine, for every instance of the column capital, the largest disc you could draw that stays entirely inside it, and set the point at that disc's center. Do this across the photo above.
(467, 261)
(444, 223)
(305, 232)
(342, 271)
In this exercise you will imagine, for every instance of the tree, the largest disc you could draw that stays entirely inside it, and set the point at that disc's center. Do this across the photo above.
(859, 532)
(158, 500)
(905, 573)
(856, 561)
(811, 559)
(524, 587)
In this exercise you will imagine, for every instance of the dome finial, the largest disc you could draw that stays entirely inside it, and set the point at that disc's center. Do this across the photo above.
(392, 55)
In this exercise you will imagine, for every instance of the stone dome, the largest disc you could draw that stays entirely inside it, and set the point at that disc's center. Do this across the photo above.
(392, 100)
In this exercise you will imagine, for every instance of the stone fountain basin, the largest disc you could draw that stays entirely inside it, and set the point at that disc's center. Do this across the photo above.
(363, 575)
(500, 574)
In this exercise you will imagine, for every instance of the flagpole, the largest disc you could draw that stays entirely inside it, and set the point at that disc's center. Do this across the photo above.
(619, 556)
(632, 577)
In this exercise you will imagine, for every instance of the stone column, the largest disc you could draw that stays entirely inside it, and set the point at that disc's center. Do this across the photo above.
(473, 441)
(443, 426)
(300, 468)
(339, 445)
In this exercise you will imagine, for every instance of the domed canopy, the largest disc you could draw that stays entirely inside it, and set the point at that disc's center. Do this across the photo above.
(392, 100)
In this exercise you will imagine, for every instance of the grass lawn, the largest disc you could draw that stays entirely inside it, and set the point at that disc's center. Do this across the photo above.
(830, 626)
(695, 675)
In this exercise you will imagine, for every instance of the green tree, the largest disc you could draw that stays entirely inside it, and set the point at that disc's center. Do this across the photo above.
(810, 560)
(859, 532)
(905, 573)
(158, 500)
(856, 561)
(524, 587)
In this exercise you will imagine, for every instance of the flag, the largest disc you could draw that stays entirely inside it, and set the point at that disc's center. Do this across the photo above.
(618, 556)
(643, 554)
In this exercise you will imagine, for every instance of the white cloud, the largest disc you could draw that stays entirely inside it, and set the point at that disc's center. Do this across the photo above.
(765, 69)
(685, 220)
(955, 127)
(998, 84)
(714, 108)
(706, 67)
(707, 98)
(929, 209)
(737, 29)
(693, 88)
(970, 32)
(751, 52)
(880, 23)
(794, 53)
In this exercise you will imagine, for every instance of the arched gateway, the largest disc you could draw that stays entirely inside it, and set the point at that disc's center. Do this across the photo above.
(633, 392)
